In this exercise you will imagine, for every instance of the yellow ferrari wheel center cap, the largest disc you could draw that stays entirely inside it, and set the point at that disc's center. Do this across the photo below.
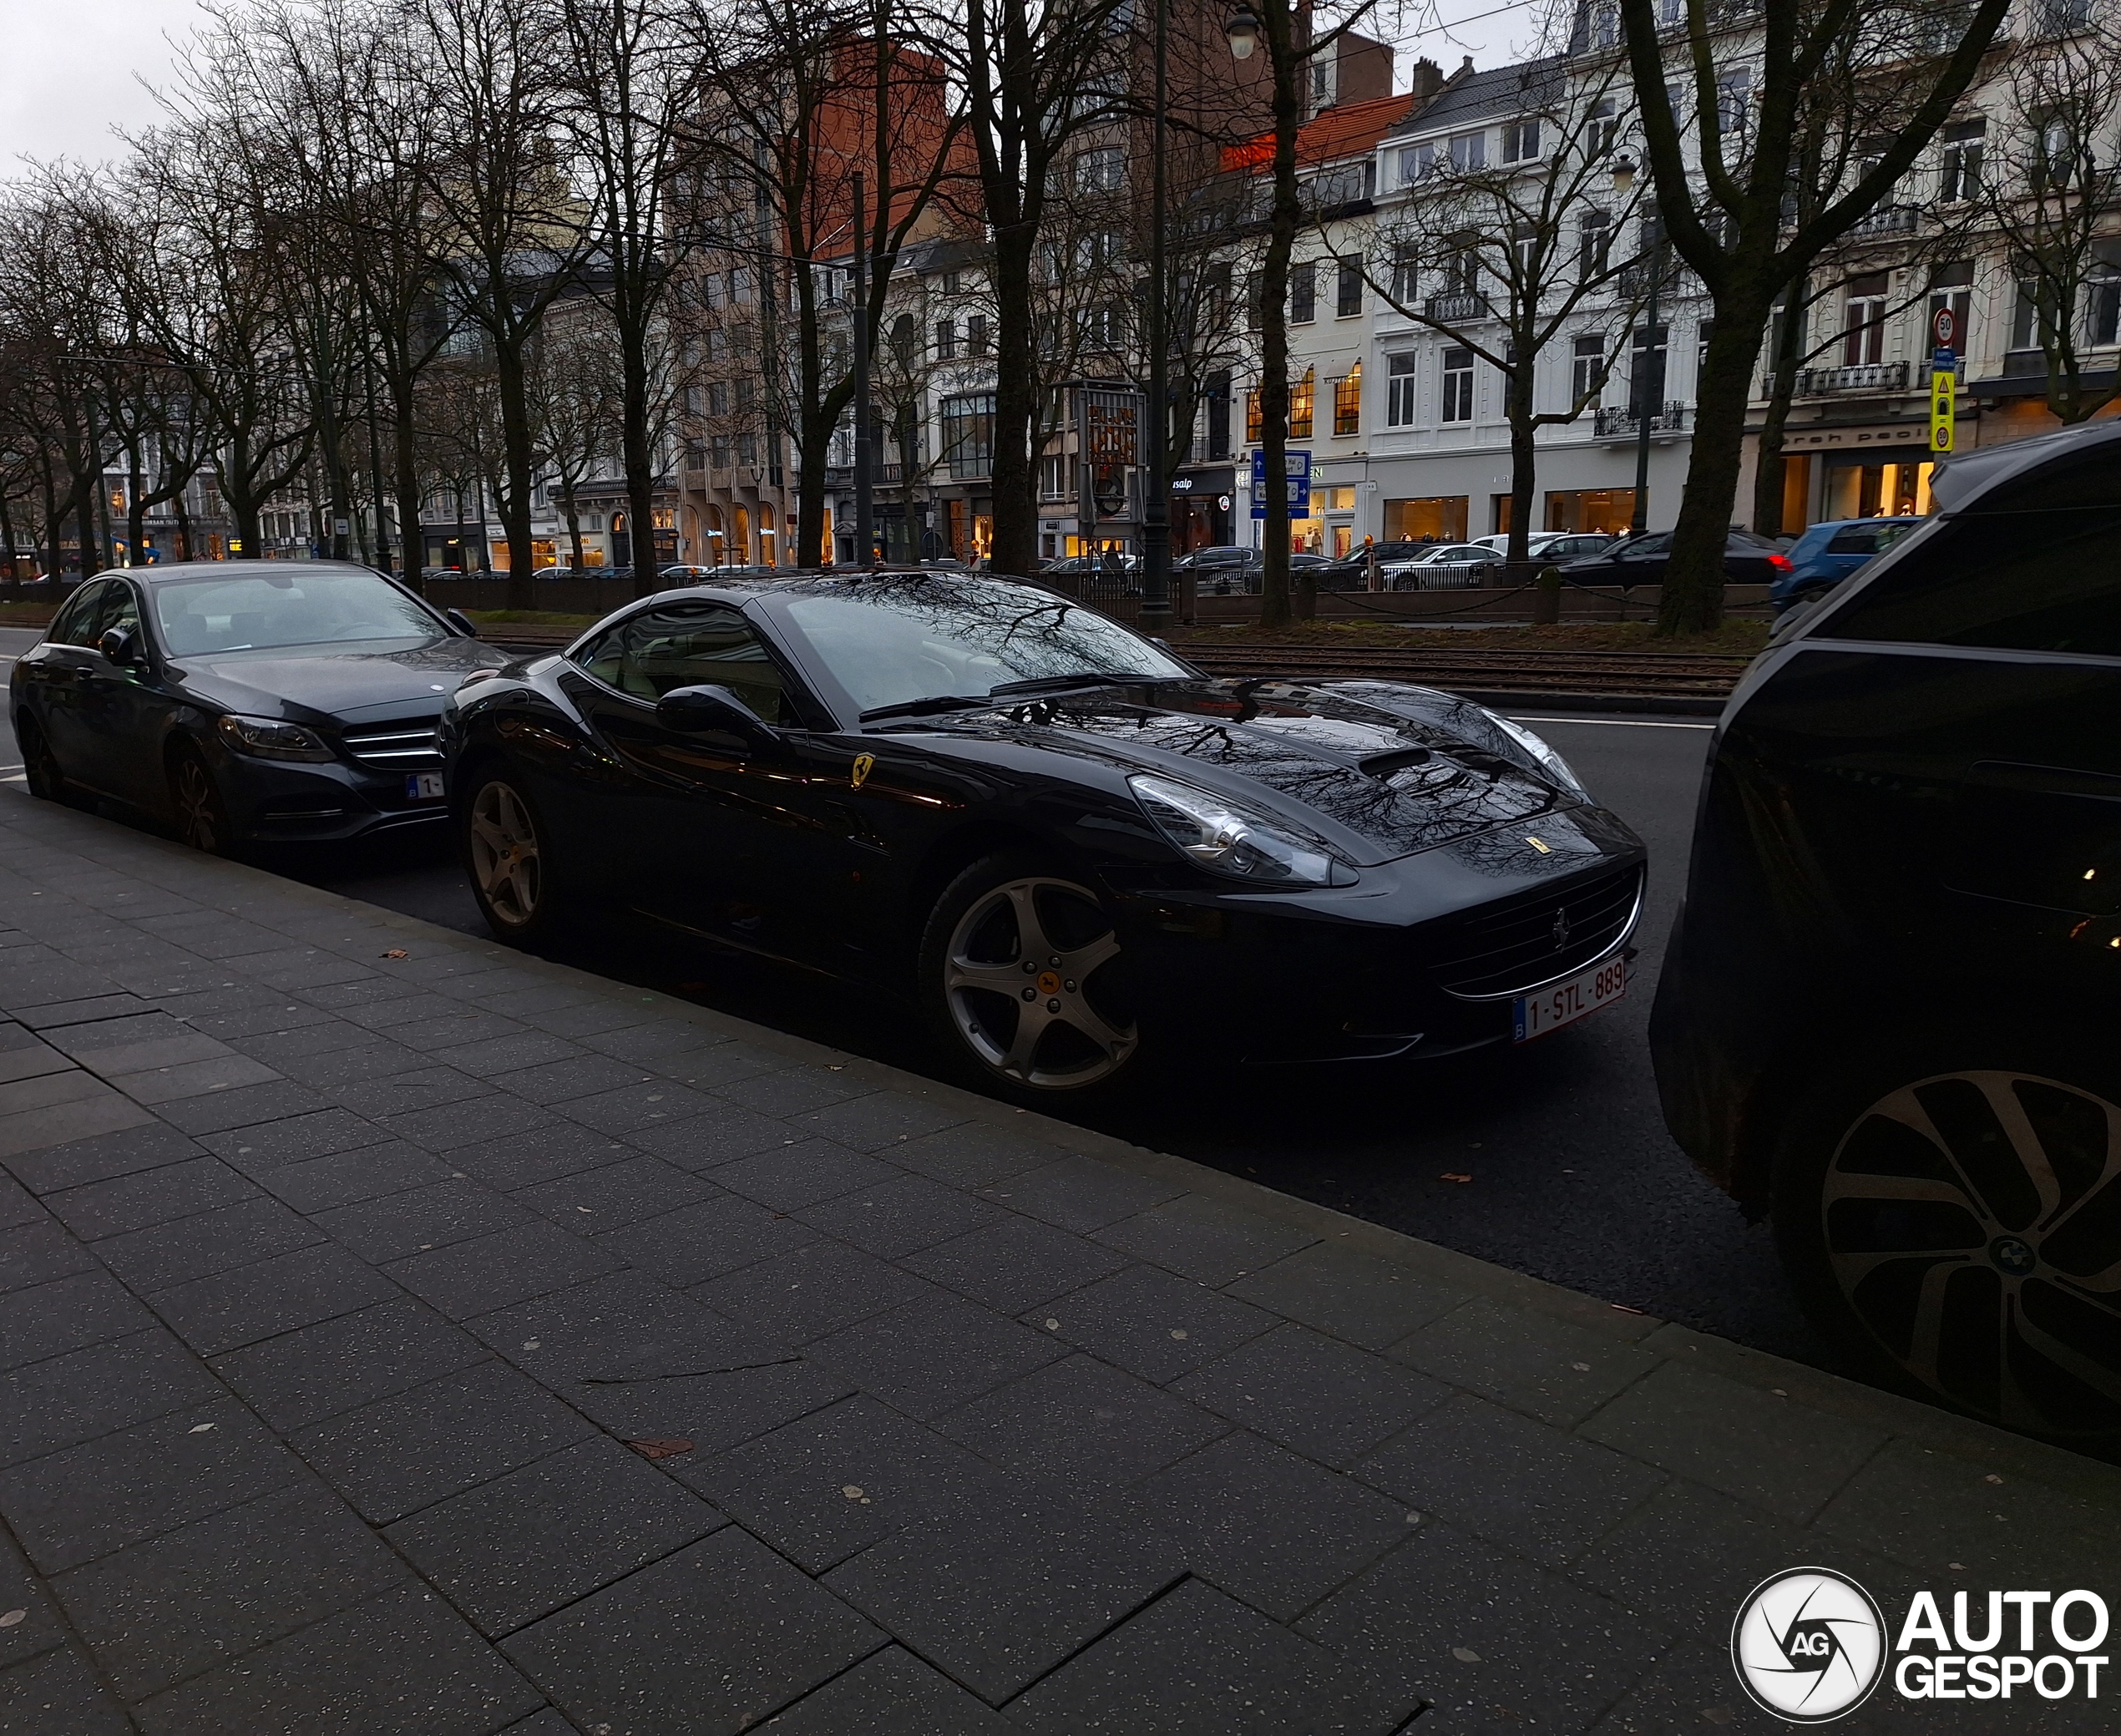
(1049, 982)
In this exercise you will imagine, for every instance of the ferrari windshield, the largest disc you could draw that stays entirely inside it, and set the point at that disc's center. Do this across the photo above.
(262, 610)
(893, 642)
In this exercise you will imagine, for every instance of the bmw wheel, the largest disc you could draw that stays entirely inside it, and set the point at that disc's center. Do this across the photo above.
(202, 816)
(508, 859)
(1960, 1228)
(1023, 981)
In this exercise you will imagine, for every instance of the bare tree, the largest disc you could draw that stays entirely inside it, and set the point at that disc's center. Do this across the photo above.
(2050, 186)
(1505, 258)
(1735, 107)
(578, 402)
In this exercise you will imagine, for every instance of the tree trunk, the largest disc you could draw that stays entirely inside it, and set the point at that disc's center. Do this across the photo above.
(7, 536)
(136, 509)
(405, 457)
(1524, 470)
(577, 561)
(1691, 597)
(515, 496)
(184, 526)
(1771, 467)
(1287, 215)
(1015, 548)
(639, 465)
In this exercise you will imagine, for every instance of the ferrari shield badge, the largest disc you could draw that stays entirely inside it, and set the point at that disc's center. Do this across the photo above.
(864, 763)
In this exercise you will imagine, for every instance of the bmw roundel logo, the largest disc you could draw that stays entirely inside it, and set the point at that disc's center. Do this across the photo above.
(1808, 1645)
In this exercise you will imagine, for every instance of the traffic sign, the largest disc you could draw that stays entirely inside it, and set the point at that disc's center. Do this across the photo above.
(1298, 472)
(1944, 327)
(1943, 361)
(1943, 383)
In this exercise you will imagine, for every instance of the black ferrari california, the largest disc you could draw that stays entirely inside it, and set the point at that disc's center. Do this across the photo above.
(244, 702)
(1079, 852)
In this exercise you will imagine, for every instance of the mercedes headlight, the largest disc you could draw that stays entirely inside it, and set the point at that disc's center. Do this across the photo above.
(1550, 762)
(266, 739)
(1229, 839)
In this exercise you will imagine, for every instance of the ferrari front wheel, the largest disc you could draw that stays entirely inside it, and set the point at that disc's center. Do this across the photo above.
(1023, 981)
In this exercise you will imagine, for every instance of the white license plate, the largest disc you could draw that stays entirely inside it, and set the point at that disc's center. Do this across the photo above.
(424, 786)
(1567, 1001)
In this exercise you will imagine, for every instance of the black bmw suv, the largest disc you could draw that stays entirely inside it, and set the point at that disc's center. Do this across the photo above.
(1889, 1013)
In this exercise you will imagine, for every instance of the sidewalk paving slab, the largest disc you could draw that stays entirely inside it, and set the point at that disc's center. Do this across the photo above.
(460, 1343)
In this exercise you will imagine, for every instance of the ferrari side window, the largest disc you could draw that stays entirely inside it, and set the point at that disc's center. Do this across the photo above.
(601, 657)
(698, 647)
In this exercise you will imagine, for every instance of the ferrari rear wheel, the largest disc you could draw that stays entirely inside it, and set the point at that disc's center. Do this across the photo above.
(1959, 1227)
(1023, 978)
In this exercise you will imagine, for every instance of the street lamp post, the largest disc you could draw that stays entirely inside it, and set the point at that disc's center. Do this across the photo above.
(1156, 505)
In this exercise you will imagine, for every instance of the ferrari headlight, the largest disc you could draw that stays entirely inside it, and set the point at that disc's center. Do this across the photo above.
(1552, 762)
(1232, 840)
(266, 739)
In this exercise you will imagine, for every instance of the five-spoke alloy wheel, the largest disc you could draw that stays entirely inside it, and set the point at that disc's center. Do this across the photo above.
(202, 817)
(1025, 968)
(1967, 1226)
(505, 856)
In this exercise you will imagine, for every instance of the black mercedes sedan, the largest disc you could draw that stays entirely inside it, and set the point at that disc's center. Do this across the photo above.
(1075, 849)
(1887, 1020)
(245, 701)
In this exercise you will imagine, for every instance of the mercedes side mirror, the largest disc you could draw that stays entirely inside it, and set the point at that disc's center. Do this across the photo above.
(461, 622)
(120, 645)
(715, 711)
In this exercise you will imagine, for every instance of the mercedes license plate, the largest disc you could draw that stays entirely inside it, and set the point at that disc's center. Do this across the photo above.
(424, 786)
(1574, 997)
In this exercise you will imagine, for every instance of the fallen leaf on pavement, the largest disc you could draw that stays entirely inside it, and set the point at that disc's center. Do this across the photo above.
(398, 952)
(1452, 1175)
(14, 1618)
(1622, 1307)
(1465, 1654)
(661, 1448)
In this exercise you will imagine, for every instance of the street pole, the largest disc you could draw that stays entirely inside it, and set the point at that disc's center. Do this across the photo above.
(864, 495)
(1156, 504)
(1640, 521)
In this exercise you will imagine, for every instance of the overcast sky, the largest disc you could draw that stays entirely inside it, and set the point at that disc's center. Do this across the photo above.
(70, 66)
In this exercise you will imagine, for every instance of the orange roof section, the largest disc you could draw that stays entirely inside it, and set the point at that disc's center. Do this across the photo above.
(1347, 130)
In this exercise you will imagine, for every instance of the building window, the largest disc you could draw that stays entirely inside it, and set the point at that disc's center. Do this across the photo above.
(1458, 385)
(1303, 293)
(1469, 151)
(1863, 327)
(976, 334)
(1645, 374)
(1053, 477)
(1587, 373)
(1102, 171)
(717, 398)
(953, 283)
(718, 451)
(946, 340)
(1398, 390)
(1521, 141)
(1416, 162)
(1605, 25)
(747, 447)
(1300, 407)
(1962, 145)
(747, 393)
(1733, 99)
(968, 434)
(1593, 244)
(1605, 125)
(1255, 417)
(1348, 402)
(1348, 289)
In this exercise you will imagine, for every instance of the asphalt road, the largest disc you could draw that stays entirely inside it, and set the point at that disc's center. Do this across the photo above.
(1572, 1176)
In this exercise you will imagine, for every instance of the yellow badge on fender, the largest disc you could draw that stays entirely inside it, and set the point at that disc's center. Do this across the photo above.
(864, 763)
(1539, 844)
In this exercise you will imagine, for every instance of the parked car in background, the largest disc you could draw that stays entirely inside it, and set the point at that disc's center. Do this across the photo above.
(1444, 566)
(1887, 1019)
(241, 701)
(1747, 559)
(1552, 545)
(1827, 553)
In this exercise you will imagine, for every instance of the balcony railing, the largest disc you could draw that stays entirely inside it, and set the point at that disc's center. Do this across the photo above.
(1466, 306)
(1888, 219)
(1618, 422)
(1861, 376)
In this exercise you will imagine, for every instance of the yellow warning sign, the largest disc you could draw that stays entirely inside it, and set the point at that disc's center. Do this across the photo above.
(1943, 383)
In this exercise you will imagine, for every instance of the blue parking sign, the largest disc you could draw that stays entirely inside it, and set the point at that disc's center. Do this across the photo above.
(1299, 483)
